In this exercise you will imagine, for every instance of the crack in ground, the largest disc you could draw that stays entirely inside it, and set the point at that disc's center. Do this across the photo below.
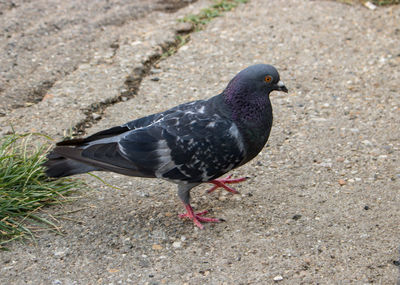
(20, 93)
(132, 84)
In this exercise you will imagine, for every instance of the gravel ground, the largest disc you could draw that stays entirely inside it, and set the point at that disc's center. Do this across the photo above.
(322, 202)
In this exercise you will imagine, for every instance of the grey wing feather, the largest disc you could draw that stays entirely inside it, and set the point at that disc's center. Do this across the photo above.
(180, 144)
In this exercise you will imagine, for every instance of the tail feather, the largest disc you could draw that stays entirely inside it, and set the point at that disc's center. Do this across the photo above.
(59, 166)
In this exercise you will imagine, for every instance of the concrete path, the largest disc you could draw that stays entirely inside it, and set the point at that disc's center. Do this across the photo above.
(322, 204)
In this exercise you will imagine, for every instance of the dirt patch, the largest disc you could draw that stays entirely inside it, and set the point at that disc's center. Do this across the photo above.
(43, 42)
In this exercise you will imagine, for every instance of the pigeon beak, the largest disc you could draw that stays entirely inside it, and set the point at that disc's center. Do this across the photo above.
(280, 86)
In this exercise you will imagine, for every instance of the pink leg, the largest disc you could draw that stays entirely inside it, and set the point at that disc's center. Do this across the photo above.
(197, 217)
(222, 183)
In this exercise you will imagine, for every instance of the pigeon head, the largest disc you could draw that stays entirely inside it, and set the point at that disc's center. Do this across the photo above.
(248, 92)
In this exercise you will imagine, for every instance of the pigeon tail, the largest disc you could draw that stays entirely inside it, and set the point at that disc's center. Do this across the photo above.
(59, 166)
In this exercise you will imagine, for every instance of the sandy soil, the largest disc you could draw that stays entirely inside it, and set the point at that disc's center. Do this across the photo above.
(322, 203)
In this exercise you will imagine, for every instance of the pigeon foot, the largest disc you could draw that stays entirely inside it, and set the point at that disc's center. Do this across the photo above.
(222, 183)
(197, 217)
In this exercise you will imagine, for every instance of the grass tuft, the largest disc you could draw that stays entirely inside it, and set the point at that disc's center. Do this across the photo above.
(385, 2)
(25, 189)
(207, 14)
(179, 42)
(376, 2)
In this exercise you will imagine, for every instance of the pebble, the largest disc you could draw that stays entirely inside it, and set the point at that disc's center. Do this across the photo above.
(326, 164)
(156, 247)
(370, 5)
(183, 28)
(177, 244)
(341, 182)
(96, 116)
(278, 278)
(59, 253)
(155, 70)
(296, 217)
(367, 142)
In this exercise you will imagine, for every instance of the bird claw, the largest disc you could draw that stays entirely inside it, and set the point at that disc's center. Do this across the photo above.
(197, 217)
(222, 183)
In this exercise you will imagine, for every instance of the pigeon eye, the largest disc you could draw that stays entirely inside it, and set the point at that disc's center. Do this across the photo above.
(268, 79)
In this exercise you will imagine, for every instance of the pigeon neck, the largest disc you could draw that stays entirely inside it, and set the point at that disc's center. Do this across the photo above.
(251, 110)
(247, 104)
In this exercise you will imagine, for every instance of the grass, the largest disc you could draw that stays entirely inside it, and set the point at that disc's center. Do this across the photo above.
(376, 2)
(206, 15)
(179, 42)
(385, 2)
(200, 20)
(25, 189)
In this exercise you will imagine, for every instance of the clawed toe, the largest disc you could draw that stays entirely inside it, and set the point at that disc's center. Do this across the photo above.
(197, 218)
(222, 183)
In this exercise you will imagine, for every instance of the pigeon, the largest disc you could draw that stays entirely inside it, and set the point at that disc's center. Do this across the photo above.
(192, 143)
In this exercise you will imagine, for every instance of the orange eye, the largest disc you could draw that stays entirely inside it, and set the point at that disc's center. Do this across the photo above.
(268, 79)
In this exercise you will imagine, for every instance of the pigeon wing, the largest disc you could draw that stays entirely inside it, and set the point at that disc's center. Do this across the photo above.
(185, 146)
(180, 146)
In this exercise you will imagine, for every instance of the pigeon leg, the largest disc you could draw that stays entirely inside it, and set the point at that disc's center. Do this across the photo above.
(222, 183)
(184, 195)
(197, 217)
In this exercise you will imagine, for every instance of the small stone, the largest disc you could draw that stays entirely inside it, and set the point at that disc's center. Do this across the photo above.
(114, 45)
(183, 28)
(367, 142)
(370, 5)
(59, 253)
(155, 79)
(388, 148)
(318, 119)
(156, 247)
(366, 207)
(296, 217)
(326, 164)
(177, 244)
(47, 96)
(155, 71)
(278, 278)
(222, 198)
(96, 116)
(237, 197)
(342, 182)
